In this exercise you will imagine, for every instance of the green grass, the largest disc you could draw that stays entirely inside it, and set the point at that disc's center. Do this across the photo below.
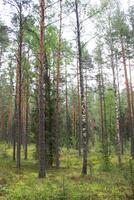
(65, 183)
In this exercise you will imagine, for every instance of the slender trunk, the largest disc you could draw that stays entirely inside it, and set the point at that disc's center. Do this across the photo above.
(79, 111)
(131, 91)
(15, 131)
(51, 151)
(26, 121)
(101, 108)
(57, 132)
(119, 100)
(128, 98)
(116, 108)
(83, 100)
(103, 117)
(9, 128)
(131, 100)
(42, 167)
(25, 114)
(19, 101)
(74, 121)
(67, 124)
(87, 118)
(10, 114)
(23, 104)
(104, 110)
(105, 135)
(36, 118)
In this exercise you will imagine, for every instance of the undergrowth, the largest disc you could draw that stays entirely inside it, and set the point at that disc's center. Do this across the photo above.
(67, 183)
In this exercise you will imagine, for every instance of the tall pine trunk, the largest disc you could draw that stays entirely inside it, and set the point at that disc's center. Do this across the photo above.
(42, 167)
(67, 111)
(57, 131)
(19, 100)
(27, 122)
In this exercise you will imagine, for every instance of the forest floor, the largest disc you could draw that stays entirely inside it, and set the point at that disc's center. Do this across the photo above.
(67, 182)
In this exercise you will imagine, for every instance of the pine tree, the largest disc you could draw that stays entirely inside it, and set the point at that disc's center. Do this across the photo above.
(42, 166)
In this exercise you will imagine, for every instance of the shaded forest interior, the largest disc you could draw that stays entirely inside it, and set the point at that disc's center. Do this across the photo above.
(67, 100)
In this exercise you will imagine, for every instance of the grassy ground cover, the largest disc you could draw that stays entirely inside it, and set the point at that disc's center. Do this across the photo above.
(67, 182)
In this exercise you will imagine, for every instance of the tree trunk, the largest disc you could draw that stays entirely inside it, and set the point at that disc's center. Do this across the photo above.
(67, 111)
(42, 167)
(19, 100)
(118, 139)
(101, 108)
(131, 90)
(15, 129)
(57, 131)
(119, 100)
(103, 116)
(83, 100)
(9, 128)
(79, 111)
(131, 129)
